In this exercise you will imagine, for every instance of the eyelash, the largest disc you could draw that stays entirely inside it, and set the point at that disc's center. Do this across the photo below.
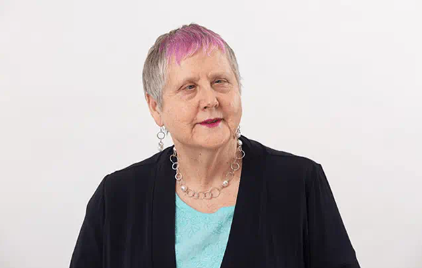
(223, 80)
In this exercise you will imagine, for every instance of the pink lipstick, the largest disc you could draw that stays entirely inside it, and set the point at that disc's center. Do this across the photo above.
(211, 122)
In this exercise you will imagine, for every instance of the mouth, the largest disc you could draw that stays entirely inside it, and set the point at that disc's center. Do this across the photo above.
(211, 121)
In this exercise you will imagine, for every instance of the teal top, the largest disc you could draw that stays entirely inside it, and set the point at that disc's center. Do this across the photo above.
(201, 238)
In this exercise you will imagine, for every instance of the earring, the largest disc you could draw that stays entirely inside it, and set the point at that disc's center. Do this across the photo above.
(161, 135)
(238, 134)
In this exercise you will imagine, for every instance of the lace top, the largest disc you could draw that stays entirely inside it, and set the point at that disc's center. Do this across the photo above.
(201, 238)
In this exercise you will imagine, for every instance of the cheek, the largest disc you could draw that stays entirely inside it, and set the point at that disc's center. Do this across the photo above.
(180, 115)
(235, 106)
(233, 112)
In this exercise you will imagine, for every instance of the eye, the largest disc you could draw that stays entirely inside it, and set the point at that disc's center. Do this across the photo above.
(189, 87)
(220, 81)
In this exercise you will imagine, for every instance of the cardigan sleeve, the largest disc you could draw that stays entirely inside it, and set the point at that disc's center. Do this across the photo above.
(88, 251)
(328, 244)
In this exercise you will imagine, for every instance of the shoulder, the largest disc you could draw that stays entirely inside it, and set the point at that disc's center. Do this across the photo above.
(286, 171)
(286, 167)
(276, 158)
(133, 179)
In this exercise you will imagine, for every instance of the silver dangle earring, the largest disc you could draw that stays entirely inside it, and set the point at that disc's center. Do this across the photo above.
(239, 143)
(161, 135)
(238, 134)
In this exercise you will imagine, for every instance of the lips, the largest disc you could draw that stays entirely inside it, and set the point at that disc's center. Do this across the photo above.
(210, 121)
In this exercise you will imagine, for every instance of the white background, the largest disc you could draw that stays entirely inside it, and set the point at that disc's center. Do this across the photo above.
(336, 81)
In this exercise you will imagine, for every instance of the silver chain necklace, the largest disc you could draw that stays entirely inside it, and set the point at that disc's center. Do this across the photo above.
(214, 192)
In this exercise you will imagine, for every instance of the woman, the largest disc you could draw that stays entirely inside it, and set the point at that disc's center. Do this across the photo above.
(215, 198)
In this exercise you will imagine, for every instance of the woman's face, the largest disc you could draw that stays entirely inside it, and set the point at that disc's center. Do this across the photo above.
(202, 87)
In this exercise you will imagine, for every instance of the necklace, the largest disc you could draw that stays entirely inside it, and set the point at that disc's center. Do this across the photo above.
(214, 192)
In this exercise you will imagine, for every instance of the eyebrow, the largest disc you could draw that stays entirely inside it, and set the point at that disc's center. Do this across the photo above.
(218, 74)
(187, 79)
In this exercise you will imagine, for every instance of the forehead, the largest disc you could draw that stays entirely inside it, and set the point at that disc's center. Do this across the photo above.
(201, 63)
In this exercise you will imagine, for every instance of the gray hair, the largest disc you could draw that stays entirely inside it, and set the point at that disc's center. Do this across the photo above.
(155, 67)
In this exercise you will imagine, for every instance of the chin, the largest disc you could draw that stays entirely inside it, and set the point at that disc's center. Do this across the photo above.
(213, 141)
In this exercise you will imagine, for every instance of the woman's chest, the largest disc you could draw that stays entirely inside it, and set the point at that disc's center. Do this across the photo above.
(271, 235)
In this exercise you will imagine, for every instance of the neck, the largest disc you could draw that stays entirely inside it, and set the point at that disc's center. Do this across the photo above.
(204, 168)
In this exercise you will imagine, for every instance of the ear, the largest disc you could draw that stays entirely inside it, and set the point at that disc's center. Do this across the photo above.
(154, 110)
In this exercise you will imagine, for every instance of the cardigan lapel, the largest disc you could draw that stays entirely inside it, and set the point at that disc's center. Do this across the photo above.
(163, 214)
(242, 245)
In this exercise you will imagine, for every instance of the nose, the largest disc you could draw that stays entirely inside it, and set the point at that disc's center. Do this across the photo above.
(209, 98)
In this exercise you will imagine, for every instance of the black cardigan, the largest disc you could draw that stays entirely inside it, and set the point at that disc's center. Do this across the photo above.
(285, 216)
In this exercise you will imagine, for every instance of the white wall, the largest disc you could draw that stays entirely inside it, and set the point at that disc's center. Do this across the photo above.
(337, 81)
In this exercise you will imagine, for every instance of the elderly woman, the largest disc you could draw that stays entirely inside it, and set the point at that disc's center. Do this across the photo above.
(215, 198)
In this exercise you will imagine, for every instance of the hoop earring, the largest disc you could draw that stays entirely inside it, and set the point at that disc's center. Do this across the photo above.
(161, 135)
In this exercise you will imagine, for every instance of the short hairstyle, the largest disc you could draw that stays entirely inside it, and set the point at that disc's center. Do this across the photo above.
(181, 43)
